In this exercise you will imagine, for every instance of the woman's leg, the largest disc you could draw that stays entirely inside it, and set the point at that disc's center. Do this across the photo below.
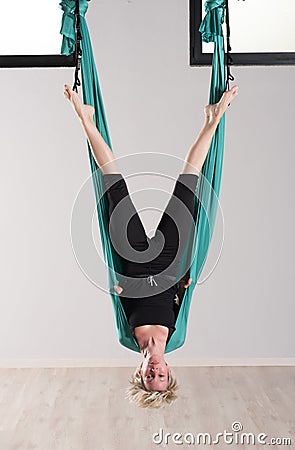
(126, 221)
(196, 155)
(127, 232)
(177, 222)
(101, 152)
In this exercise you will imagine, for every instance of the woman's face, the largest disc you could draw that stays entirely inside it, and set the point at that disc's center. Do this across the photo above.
(155, 374)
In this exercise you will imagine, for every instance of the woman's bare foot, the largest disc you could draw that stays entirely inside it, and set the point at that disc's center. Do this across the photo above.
(215, 112)
(83, 111)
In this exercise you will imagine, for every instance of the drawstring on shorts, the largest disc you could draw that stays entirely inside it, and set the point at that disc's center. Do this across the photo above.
(151, 280)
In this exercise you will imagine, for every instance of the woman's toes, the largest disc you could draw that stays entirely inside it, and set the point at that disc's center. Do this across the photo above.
(233, 91)
(67, 91)
(67, 87)
(227, 97)
(73, 97)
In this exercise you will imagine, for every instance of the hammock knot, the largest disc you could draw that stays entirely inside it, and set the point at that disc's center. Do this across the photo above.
(69, 6)
(212, 4)
(211, 26)
(68, 27)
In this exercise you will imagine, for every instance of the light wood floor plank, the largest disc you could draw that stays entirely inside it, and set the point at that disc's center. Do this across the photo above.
(85, 409)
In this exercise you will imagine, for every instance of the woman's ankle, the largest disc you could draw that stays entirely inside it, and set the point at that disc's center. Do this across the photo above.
(211, 122)
(86, 113)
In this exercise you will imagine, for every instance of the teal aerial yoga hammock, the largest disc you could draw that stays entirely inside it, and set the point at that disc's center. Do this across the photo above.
(206, 199)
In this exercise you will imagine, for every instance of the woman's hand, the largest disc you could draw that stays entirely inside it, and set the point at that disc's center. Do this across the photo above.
(188, 283)
(185, 284)
(118, 289)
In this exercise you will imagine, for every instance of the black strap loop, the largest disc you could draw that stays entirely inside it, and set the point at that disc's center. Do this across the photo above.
(78, 50)
(229, 59)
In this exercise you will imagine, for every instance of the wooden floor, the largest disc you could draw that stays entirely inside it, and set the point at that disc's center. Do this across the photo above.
(85, 409)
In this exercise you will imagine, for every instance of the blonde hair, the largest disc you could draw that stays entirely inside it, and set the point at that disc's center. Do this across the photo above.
(139, 394)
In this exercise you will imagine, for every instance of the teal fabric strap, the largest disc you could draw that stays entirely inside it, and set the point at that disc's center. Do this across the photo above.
(206, 198)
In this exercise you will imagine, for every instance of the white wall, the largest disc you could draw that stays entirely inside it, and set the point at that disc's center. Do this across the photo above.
(154, 102)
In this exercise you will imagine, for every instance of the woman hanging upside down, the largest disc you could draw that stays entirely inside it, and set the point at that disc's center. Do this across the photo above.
(149, 287)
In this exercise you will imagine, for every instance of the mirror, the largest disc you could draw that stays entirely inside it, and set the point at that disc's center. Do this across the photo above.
(262, 33)
(37, 26)
(30, 37)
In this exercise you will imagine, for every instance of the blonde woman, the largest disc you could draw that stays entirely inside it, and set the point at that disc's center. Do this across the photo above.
(149, 296)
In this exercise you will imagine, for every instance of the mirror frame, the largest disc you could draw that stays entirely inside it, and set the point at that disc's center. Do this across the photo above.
(198, 58)
(13, 61)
